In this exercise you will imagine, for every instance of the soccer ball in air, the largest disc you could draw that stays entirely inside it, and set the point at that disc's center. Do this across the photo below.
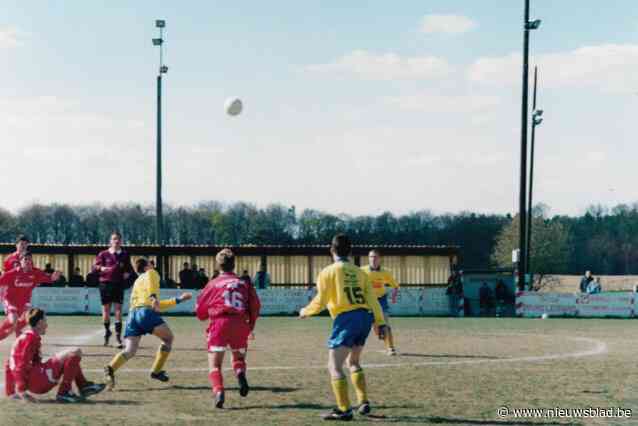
(233, 106)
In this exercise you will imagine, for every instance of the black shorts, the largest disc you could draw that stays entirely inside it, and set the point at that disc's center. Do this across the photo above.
(111, 293)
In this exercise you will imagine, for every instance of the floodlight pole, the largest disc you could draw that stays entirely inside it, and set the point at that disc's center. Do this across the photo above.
(536, 120)
(159, 237)
(522, 214)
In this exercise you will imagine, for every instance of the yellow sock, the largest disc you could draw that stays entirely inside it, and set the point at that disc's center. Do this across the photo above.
(359, 383)
(389, 340)
(118, 361)
(340, 389)
(160, 359)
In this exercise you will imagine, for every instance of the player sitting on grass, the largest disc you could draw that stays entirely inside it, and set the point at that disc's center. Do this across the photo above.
(18, 285)
(232, 306)
(144, 318)
(25, 372)
(347, 293)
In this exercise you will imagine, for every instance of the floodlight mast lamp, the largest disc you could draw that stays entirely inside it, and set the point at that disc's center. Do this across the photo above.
(522, 214)
(163, 69)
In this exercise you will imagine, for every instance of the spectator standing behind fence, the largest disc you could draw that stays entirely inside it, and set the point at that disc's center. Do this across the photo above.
(594, 286)
(500, 291)
(92, 278)
(584, 281)
(60, 282)
(454, 291)
(485, 299)
(202, 279)
(245, 276)
(186, 277)
(195, 274)
(262, 278)
(76, 279)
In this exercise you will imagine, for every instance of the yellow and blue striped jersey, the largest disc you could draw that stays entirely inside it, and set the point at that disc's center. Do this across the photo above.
(147, 285)
(380, 279)
(343, 287)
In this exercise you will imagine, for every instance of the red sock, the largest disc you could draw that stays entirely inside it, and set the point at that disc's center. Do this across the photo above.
(239, 363)
(216, 380)
(80, 380)
(5, 328)
(9, 383)
(69, 372)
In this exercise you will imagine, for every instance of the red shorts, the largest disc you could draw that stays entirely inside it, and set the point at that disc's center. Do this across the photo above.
(44, 377)
(228, 331)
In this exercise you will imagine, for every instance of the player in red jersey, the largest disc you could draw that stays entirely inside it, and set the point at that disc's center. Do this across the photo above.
(26, 373)
(232, 306)
(19, 284)
(13, 260)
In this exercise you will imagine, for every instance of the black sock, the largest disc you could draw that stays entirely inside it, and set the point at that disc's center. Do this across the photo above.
(107, 327)
(118, 329)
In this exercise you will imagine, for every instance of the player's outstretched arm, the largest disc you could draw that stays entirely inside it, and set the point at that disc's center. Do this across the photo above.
(169, 303)
(317, 304)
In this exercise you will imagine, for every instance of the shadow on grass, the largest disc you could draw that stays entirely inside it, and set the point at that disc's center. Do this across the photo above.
(310, 406)
(447, 356)
(110, 355)
(273, 389)
(66, 345)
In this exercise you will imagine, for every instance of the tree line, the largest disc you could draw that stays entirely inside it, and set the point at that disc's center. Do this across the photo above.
(603, 240)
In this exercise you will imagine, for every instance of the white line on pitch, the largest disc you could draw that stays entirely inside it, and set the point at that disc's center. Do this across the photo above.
(598, 349)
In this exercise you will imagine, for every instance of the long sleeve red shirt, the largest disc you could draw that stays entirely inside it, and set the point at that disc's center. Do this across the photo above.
(19, 285)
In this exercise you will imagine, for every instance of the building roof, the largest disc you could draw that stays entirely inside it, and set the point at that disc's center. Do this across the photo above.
(241, 250)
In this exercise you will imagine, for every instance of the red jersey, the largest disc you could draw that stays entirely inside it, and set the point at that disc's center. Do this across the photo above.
(25, 355)
(228, 295)
(19, 285)
(11, 262)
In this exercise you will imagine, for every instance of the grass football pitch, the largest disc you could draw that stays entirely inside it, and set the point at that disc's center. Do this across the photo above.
(450, 371)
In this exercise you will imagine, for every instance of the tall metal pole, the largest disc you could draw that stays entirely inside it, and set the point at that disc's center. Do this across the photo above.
(159, 225)
(522, 214)
(531, 175)
(158, 200)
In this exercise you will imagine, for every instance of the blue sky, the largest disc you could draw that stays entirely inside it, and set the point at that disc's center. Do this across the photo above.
(355, 108)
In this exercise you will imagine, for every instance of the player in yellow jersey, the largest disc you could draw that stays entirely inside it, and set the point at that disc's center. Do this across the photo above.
(346, 291)
(144, 318)
(380, 279)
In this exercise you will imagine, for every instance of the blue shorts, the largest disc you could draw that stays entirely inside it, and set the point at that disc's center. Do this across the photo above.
(383, 301)
(142, 321)
(351, 329)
